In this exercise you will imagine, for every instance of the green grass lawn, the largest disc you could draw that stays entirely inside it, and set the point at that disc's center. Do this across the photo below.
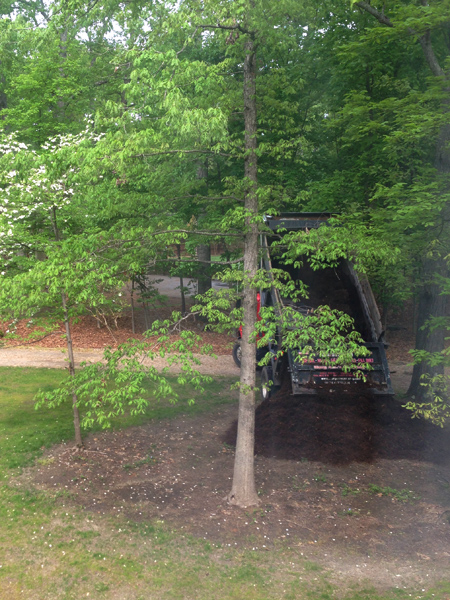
(49, 549)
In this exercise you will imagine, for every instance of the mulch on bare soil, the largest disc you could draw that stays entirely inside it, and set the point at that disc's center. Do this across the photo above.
(354, 483)
(339, 429)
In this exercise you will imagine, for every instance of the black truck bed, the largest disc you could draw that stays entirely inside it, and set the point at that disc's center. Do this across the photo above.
(340, 288)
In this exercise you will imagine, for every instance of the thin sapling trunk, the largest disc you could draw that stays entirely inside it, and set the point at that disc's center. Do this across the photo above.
(76, 413)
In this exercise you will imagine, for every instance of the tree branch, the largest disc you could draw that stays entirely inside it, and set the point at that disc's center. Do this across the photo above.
(185, 45)
(424, 40)
(194, 232)
(229, 197)
(197, 261)
(430, 56)
(162, 152)
(39, 7)
(228, 27)
(379, 16)
(34, 341)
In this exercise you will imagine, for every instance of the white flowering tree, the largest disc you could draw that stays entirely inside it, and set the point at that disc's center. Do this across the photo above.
(47, 269)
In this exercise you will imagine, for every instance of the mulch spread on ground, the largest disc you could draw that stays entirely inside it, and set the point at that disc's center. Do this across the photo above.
(339, 429)
(349, 481)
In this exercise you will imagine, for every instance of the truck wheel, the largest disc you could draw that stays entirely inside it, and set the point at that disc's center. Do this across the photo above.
(266, 383)
(236, 353)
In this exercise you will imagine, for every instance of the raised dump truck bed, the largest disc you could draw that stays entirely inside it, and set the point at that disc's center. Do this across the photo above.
(340, 288)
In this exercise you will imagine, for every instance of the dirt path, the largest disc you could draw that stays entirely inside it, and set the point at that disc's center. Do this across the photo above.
(90, 341)
(222, 365)
(57, 359)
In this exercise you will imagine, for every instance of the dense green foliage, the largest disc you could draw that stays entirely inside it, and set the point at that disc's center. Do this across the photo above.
(123, 135)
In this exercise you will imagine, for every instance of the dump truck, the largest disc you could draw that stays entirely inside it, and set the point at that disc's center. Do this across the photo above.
(340, 288)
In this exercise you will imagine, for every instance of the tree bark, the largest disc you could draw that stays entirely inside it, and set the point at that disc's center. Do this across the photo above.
(204, 277)
(133, 325)
(63, 56)
(182, 294)
(431, 303)
(243, 492)
(203, 251)
(76, 413)
(3, 98)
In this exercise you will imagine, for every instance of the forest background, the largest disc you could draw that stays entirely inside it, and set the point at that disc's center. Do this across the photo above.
(130, 128)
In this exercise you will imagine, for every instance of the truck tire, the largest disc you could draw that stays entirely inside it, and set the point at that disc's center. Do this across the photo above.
(236, 353)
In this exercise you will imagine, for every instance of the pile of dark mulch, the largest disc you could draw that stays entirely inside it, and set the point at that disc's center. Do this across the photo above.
(343, 427)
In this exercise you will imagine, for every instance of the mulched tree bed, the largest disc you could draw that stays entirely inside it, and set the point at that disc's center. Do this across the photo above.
(340, 428)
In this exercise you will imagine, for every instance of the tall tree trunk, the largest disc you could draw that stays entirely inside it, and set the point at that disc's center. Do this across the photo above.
(146, 315)
(133, 325)
(431, 304)
(3, 98)
(63, 56)
(204, 277)
(203, 251)
(243, 492)
(183, 295)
